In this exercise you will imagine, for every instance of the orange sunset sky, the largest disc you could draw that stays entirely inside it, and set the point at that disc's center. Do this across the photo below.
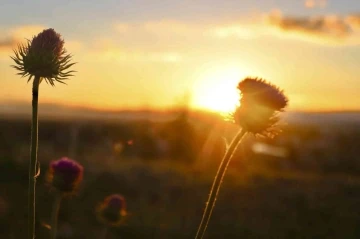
(143, 53)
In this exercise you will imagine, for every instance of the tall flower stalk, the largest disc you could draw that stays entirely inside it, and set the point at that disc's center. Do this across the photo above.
(64, 176)
(257, 114)
(55, 215)
(43, 57)
(33, 158)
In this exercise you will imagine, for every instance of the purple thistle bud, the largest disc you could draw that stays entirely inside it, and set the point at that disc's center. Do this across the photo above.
(44, 56)
(112, 210)
(65, 175)
(116, 201)
(259, 105)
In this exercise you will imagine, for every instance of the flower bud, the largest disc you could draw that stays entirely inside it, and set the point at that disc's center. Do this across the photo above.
(112, 210)
(260, 102)
(65, 175)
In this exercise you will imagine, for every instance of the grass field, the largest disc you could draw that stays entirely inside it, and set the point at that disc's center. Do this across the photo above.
(261, 197)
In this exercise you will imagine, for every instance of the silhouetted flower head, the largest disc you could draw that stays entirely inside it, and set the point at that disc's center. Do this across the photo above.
(112, 210)
(44, 56)
(65, 175)
(259, 105)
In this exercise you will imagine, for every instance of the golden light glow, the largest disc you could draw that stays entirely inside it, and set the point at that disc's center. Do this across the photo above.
(215, 89)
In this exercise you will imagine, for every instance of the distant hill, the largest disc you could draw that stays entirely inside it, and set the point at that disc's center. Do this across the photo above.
(58, 111)
(336, 117)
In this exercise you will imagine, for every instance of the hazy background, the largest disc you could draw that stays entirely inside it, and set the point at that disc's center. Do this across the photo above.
(144, 115)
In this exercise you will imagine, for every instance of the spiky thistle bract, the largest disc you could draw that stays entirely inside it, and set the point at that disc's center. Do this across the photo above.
(44, 56)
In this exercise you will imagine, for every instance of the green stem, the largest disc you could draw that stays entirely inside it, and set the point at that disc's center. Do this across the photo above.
(33, 158)
(217, 184)
(104, 232)
(55, 214)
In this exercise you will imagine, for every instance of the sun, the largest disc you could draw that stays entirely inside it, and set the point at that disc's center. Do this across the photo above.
(215, 89)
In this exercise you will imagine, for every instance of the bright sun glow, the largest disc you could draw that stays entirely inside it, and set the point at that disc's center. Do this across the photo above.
(216, 90)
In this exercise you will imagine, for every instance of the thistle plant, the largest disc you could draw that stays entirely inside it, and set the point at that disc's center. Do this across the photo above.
(64, 177)
(111, 212)
(257, 114)
(43, 57)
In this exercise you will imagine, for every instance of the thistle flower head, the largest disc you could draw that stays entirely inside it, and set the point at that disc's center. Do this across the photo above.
(65, 175)
(112, 210)
(48, 41)
(44, 56)
(259, 105)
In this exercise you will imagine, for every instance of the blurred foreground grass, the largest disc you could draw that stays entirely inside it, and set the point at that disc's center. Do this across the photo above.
(166, 201)
(312, 193)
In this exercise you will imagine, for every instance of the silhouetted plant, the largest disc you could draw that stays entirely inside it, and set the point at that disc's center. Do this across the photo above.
(43, 57)
(257, 114)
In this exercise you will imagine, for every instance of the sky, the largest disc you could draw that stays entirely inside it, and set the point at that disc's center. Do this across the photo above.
(150, 54)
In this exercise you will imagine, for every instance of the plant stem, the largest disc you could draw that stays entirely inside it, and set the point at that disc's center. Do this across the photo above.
(33, 158)
(104, 232)
(217, 183)
(55, 214)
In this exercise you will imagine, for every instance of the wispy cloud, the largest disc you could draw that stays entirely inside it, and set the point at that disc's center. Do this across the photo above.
(16, 35)
(325, 29)
(326, 26)
(107, 50)
(333, 29)
(7, 43)
(353, 20)
(170, 28)
(26, 32)
(163, 27)
(315, 3)
(236, 30)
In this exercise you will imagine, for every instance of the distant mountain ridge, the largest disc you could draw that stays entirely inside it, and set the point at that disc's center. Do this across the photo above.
(52, 110)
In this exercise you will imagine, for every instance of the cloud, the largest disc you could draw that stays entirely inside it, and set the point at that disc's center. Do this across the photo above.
(170, 40)
(333, 29)
(172, 27)
(161, 28)
(7, 43)
(353, 20)
(26, 32)
(106, 50)
(327, 29)
(236, 30)
(119, 55)
(16, 35)
(315, 3)
(330, 29)
(164, 29)
(326, 26)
